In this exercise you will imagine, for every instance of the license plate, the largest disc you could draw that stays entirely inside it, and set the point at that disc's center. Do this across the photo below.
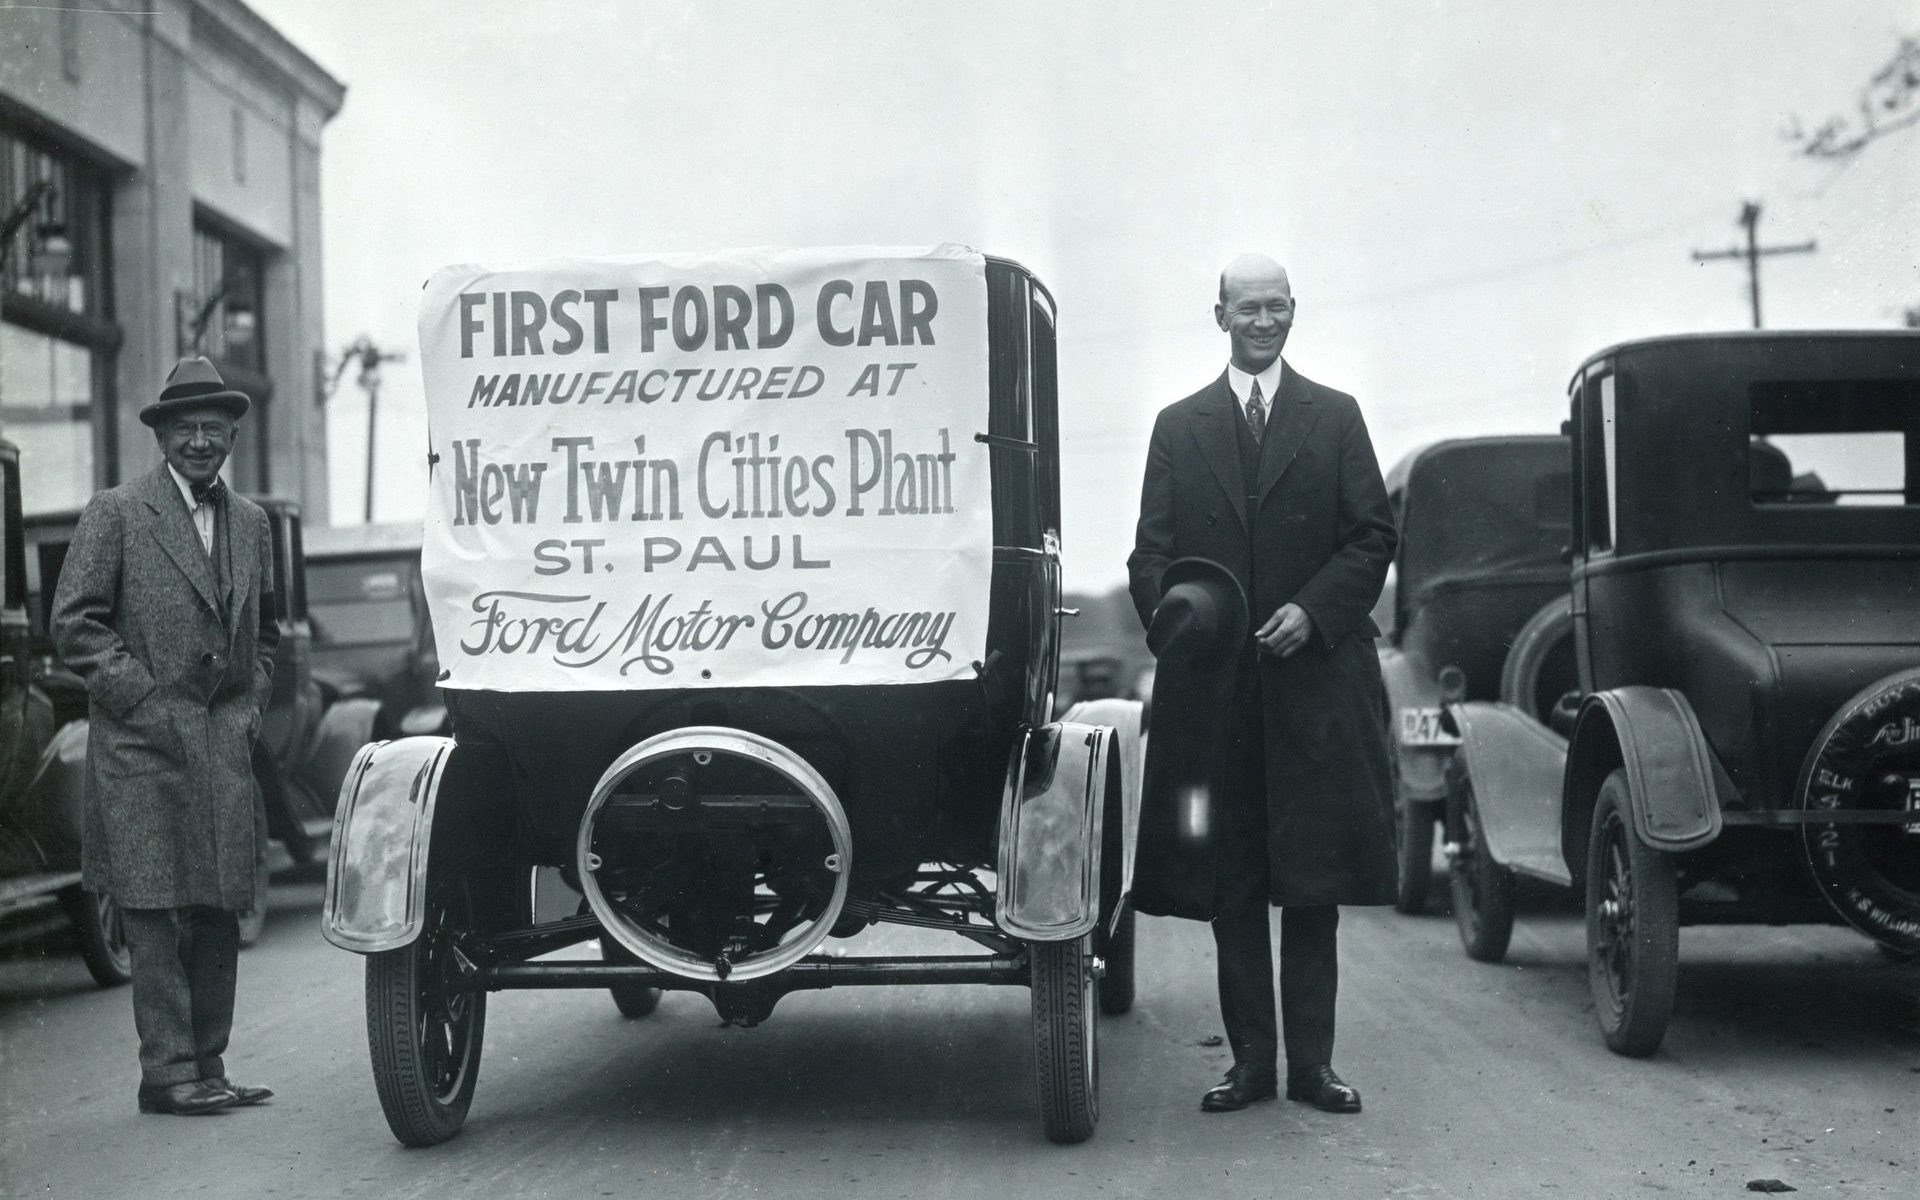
(1422, 727)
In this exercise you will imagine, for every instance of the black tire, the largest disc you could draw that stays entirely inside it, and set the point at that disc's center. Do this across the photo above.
(103, 935)
(632, 999)
(1414, 825)
(423, 1031)
(1633, 927)
(1481, 888)
(1116, 985)
(1066, 1036)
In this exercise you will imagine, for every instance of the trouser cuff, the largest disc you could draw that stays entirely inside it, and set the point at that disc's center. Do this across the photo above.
(170, 1074)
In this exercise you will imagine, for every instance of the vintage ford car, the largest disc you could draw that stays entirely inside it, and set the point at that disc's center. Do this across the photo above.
(1745, 599)
(1483, 548)
(722, 795)
(42, 777)
(372, 639)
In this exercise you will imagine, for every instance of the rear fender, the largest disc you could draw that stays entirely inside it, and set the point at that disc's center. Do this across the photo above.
(1409, 680)
(1516, 765)
(345, 727)
(1653, 733)
(53, 807)
(1121, 832)
(1062, 780)
(400, 803)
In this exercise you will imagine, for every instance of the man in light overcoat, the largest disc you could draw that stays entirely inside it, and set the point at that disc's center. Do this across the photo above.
(1273, 477)
(158, 609)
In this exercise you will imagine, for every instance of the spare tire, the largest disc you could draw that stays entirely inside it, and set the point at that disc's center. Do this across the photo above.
(1539, 666)
(1868, 758)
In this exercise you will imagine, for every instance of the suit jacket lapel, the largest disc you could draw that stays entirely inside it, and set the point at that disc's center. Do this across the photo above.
(1292, 420)
(1214, 433)
(242, 537)
(173, 528)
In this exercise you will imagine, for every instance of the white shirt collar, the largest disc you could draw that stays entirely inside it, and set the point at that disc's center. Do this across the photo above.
(1241, 382)
(186, 489)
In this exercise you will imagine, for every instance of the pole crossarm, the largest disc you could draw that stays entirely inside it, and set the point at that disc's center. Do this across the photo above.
(1753, 253)
(1763, 251)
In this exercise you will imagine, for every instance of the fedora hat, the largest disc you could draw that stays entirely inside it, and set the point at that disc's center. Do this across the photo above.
(1201, 617)
(194, 383)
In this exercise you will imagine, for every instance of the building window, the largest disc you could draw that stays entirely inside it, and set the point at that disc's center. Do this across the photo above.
(223, 317)
(57, 336)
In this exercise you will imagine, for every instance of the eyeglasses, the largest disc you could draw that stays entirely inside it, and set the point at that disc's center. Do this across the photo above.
(209, 431)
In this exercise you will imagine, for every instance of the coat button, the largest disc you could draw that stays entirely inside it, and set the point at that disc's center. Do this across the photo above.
(1212, 518)
(206, 659)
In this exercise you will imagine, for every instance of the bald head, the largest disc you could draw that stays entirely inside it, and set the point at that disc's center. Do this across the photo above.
(1252, 270)
(1255, 310)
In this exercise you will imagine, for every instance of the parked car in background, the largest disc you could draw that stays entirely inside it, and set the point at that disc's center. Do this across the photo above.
(371, 636)
(42, 775)
(1745, 598)
(1479, 587)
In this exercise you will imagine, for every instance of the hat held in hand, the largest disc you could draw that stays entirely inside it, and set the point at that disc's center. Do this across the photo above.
(1198, 632)
(194, 383)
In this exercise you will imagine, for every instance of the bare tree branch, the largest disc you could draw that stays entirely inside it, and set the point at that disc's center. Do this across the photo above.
(1890, 102)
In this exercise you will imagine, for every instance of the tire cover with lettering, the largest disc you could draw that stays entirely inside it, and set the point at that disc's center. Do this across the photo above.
(1868, 757)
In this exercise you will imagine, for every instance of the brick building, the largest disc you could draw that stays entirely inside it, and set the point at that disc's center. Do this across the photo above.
(160, 180)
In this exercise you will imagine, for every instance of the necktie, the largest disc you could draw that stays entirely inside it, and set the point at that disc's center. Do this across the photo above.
(1256, 412)
(215, 490)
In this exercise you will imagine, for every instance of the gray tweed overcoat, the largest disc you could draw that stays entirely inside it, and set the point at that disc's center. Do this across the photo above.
(175, 693)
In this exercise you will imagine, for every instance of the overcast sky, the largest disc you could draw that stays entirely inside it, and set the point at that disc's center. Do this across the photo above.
(1470, 197)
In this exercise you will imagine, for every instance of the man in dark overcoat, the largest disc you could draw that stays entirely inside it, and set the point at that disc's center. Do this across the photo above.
(158, 609)
(1273, 476)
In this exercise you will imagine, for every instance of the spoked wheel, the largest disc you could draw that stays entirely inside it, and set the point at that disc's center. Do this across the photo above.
(1116, 984)
(1482, 889)
(1633, 927)
(425, 1026)
(103, 935)
(632, 999)
(1066, 1038)
(1415, 827)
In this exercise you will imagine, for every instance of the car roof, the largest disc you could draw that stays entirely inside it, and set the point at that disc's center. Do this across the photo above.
(1396, 479)
(339, 541)
(1746, 335)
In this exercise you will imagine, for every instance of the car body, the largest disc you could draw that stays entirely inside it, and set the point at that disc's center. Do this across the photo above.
(1745, 602)
(372, 638)
(1482, 551)
(42, 774)
(710, 838)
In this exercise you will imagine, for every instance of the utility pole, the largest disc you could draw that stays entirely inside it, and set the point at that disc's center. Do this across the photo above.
(370, 357)
(1750, 219)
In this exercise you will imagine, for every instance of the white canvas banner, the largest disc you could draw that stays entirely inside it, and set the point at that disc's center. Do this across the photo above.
(749, 469)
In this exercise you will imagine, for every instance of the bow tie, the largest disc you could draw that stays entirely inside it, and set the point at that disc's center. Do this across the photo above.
(213, 491)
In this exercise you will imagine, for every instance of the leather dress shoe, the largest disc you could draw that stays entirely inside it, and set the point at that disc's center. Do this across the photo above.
(1320, 1087)
(242, 1094)
(190, 1099)
(1242, 1086)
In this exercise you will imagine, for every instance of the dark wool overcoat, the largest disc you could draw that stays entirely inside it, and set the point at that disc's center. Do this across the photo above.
(1319, 533)
(177, 674)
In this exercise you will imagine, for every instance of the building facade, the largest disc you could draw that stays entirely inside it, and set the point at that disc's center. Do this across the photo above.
(160, 183)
